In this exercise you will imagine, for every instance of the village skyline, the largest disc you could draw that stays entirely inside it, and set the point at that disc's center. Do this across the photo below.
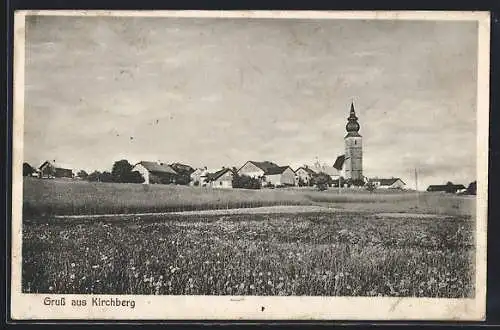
(214, 92)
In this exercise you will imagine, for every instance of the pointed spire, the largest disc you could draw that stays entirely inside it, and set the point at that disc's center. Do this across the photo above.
(352, 126)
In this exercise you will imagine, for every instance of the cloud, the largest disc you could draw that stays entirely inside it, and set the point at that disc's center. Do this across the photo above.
(223, 94)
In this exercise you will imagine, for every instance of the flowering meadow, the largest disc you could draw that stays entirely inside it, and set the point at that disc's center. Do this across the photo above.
(330, 254)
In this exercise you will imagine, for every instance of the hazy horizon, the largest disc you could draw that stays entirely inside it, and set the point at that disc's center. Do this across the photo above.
(219, 92)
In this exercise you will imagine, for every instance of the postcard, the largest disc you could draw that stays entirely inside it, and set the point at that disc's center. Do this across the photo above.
(250, 165)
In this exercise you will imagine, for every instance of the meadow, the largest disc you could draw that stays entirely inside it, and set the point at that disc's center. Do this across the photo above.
(53, 197)
(361, 244)
(333, 254)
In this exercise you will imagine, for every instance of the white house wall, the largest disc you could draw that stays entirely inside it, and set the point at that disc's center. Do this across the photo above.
(144, 172)
(251, 170)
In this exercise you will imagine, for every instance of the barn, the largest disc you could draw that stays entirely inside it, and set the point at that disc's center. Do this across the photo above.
(280, 176)
(268, 172)
(221, 179)
(156, 173)
(391, 183)
(54, 170)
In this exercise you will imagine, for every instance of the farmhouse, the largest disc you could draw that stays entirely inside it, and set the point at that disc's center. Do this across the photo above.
(280, 176)
(392, 183)
(303, 175)
(182, 168)
(53, 170)
(449, 188)
(268, 172)
(153, 172)
(221, 179)
(198, 177)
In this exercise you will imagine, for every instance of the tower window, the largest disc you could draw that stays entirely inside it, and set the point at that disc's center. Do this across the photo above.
(355, 142)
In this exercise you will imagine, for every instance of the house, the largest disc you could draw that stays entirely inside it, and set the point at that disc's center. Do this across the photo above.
(54, 170)
(392, 183)
(268, 172)
(221, 179)
(182, 168)
(280, 176)
(256, 169)
(449, 188)
(304, 175)
(198, 177)
(154, 172)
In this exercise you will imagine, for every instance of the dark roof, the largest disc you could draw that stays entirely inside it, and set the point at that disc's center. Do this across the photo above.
(277, 170)
(307, 169)
(445, 187)
(158, 168)
(218, 174)
(266, 166)
(178, 167)
(387, 182)
(339, 162)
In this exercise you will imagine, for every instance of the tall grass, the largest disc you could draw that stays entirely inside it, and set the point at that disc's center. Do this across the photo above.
(53, 197)
(350, 254)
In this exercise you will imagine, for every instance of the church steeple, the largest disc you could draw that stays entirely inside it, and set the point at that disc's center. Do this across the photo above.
(352, 126)
(353, 150)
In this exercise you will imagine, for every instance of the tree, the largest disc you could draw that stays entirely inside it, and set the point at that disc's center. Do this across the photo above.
(245, 181)
(106, 177)
(27, 169)
(82, 174)
(471, 189)
(122, 172)
(370, 186)
(94, 176)
(322, 181)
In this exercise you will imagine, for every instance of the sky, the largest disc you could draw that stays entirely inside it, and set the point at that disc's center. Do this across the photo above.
(220, 91)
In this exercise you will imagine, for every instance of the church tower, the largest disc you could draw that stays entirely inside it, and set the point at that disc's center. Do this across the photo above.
(353, 149)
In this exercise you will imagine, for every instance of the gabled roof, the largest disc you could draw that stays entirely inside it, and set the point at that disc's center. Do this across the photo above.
(387, 182)
(265, 166)
(218, 174)
(157, 168)
(277, 170)
(307, 169)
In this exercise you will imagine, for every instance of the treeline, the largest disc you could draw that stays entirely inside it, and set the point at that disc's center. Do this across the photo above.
(120, 172)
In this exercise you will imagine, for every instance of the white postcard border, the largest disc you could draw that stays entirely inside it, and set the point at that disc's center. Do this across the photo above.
(30, 306)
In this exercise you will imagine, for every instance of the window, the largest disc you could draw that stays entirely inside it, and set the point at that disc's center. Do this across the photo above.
(220, 183)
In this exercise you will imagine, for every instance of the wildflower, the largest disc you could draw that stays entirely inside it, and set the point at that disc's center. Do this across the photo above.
(51, 288)
(83, 277)
(260, 274)
(72, 264)
(161, 277)
(72, 276)
(95, 266)
(268, 273)
(270, 282)
(252, 286)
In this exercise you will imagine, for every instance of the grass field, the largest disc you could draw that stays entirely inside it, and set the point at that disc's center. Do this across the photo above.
(343, 253)
(51, 197)
(367, 244)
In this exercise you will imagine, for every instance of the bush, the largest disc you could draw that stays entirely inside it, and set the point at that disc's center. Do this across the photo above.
(246, 182)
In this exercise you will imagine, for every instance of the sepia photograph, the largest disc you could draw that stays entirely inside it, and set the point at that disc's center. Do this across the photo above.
(250, 165)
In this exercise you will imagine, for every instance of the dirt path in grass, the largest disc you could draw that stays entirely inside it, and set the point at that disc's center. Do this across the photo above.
(253, 210)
